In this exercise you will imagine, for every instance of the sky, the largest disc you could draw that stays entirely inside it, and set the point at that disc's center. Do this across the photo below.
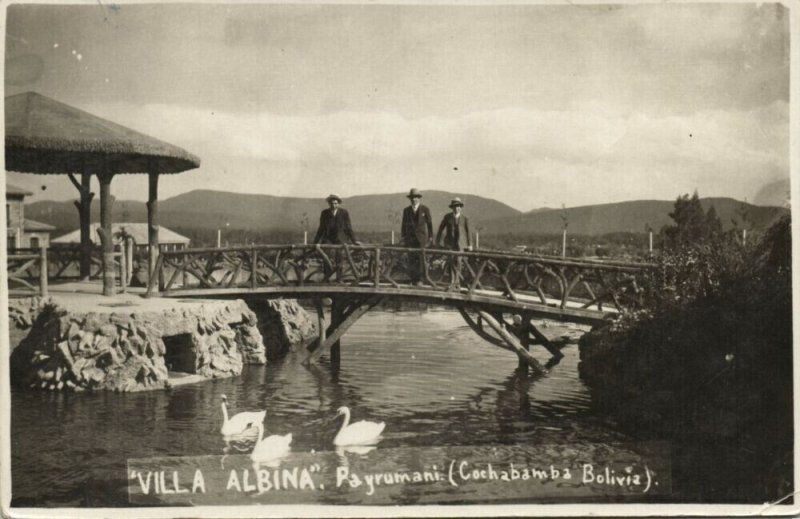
(533, 105)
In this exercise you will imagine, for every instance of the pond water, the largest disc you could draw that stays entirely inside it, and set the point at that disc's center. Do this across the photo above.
(442, 391)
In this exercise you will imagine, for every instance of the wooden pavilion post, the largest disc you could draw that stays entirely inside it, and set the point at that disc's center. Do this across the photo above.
(84, 207)
(152, 220)
(106, 237)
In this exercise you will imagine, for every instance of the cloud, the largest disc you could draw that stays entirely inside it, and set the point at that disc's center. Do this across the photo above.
(705, 33)
(723, 150)
(581, 135)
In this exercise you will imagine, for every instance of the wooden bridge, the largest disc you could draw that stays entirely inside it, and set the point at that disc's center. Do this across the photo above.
(486, 287)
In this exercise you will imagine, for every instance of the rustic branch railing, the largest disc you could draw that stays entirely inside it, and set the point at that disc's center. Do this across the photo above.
(27, 267)
(515, 277)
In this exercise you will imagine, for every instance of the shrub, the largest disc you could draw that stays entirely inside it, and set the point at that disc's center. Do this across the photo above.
(716, 336)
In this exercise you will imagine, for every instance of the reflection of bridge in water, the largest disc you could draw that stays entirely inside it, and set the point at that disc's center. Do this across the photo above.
(485, 287)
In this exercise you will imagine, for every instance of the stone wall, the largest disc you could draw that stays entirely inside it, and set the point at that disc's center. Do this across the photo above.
(126, 351)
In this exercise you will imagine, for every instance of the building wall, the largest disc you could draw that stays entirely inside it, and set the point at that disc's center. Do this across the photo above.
(16, 236)
(30, 239)
(15, 212)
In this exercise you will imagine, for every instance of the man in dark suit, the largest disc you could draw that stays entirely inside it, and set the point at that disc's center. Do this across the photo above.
(416, 232)
(334, 224)
(455, 228)
(334, 228)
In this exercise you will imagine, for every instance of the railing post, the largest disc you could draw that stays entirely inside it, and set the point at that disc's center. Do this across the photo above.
(184, 266)
(424, 259)
(456, 281)
(253, 267)
(43, 271)
(299, 270)
(377, 267)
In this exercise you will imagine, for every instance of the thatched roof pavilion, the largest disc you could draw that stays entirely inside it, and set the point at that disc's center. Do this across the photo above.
(48, 137)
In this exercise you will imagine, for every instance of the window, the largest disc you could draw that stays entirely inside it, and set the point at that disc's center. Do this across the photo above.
(8, 214)
(34, 242)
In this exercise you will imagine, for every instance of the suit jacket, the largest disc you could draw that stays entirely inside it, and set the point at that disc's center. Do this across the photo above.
(416, 231)
(334, 229)
(456, 235)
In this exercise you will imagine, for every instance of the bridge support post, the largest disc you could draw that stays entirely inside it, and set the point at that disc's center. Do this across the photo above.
(512, 342)
(543, 340)
(525, 341)
(336, 320)
(341, 321)
(320, 322)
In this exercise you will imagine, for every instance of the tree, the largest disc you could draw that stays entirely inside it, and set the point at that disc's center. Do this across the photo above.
(692, 225)
(713, 224)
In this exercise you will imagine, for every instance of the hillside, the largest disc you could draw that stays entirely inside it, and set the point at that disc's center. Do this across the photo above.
(203, 209)
(630, 216)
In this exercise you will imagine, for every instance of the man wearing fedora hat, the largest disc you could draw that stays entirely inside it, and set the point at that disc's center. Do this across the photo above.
(455, 228)
(335, 229)
(334, 224)
(416, 232)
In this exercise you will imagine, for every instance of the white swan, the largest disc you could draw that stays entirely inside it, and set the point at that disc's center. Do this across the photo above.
(271, 447)
(359, 433)
(241, 422)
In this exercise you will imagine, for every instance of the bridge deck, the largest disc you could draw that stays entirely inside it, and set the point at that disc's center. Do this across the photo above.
(557, 288)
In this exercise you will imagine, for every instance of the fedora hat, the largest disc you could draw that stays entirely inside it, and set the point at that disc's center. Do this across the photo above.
(414, 193)
(456, 201)
(333, 197)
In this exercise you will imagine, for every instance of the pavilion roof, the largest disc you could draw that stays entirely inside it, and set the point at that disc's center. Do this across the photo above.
(33, 225)
(46, 136)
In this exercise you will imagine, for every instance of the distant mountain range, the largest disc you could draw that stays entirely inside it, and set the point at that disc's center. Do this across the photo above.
(204, 209)
(630, 216)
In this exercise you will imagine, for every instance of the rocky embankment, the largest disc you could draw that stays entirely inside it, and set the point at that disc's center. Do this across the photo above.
(284, 325)
(58, 349)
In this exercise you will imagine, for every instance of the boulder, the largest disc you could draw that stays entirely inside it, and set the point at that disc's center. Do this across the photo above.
(251, 344)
